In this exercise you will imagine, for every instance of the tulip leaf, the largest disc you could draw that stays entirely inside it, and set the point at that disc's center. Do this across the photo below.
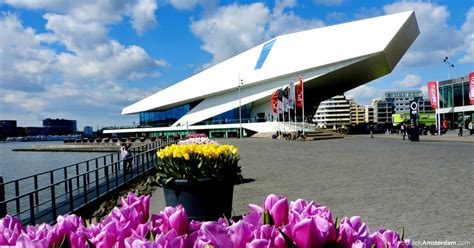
(150, 236)
(289, 242)
(267, 218)
(402, 236)
(386, 244)
(89, 243)
(374, 245)
(337, 224)
(227, 220)
(208, 246)
(65, 242)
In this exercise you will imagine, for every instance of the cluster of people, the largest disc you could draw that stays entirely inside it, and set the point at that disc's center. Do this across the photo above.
(299, 135)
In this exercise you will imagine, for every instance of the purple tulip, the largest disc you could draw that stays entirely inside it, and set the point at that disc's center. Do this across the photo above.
(384, 238)
(10, 230)
(171, 218)
(277, 206)
(140, 204)
(311, 232)
(351, 230)
(240, 234)
(259, 243)
(216, 233)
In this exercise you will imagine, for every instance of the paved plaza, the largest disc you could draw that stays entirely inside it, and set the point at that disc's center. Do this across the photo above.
(426, 187)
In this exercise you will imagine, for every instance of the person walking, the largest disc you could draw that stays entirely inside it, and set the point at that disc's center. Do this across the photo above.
(126, 156)
(471, 128)
(460, 127)
(403, 131)
(371, 130)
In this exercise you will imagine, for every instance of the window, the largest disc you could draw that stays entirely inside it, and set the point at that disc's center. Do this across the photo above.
(264, 53)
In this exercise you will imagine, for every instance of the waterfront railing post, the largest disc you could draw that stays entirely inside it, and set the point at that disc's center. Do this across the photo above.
(17, 194)
(65, 180)
(97, 192)
(85, 188)
(87, 170)
(3, 205)
(77, 175)
(53, 195)
(32, 209)
(36, 189)
(71, 197)
(106, 172)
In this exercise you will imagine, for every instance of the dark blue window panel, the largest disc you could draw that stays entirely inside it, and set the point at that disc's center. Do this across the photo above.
(165, 118)
(264, 53)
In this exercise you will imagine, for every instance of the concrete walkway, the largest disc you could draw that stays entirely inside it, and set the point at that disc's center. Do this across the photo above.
(426, 187)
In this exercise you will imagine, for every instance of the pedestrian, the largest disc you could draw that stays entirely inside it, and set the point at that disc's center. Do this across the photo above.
(471, 128)
(126, 156)
(403, 130)
(460, 126)
(371, 130)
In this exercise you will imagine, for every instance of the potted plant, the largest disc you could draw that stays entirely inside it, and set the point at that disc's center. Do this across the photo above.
(200, 177)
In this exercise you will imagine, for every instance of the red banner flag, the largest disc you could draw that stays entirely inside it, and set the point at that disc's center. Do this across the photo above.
(471, 88)
(433, 94)
(275, 101)
(299, 94)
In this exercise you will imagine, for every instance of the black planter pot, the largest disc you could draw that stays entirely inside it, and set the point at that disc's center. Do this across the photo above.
(203, 199)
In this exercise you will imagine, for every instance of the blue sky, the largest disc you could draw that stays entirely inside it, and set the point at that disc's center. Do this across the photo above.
(86, 60)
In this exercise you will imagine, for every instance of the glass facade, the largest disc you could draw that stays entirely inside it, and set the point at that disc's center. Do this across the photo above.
(231, 116)
(454, 95)
(165, 118)
(264, 53)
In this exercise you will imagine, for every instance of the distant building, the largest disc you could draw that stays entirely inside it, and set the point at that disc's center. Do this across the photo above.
(454, 101)
(401, 99)
(333, 113)
(383, 111)
(88, 131)
(8, 129)
(357, 113)
(369, 116)
(60, 126)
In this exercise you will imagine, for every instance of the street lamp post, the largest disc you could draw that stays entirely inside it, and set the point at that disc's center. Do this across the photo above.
(240, 108)
(450, 65)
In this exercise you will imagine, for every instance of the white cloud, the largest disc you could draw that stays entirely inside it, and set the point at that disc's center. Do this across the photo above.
(327, 2)
(430, 47)
(364, 94)
(225, 33)
(468, 30)
(143, 15)
(88, 79)
(409, 81)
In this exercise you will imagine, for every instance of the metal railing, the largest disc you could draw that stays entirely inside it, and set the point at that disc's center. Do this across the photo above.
(43, 196)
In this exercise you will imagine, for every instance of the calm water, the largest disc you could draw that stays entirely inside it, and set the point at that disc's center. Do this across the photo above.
(14, 165)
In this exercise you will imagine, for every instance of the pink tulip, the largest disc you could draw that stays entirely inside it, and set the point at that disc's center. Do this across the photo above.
(352, 230)
(171, 218)
(216, 233)
(388, 238)
(277, 206)
(240, 234)
(10, 230)
(259, 243)
(140, 204)
(311, 232)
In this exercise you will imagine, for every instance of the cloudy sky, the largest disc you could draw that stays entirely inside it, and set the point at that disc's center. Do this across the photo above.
(86, 60)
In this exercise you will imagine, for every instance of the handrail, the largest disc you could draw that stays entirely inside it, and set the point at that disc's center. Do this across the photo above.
(95, 178)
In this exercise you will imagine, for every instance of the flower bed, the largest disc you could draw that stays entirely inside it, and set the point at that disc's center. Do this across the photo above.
(198, 141)
(275, 224)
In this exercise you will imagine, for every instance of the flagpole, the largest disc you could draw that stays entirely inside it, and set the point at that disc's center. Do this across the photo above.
(438, 118)
(302, 102)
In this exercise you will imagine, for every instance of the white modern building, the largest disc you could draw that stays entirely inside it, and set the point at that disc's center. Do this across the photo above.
(331, 60)
(333, 113)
